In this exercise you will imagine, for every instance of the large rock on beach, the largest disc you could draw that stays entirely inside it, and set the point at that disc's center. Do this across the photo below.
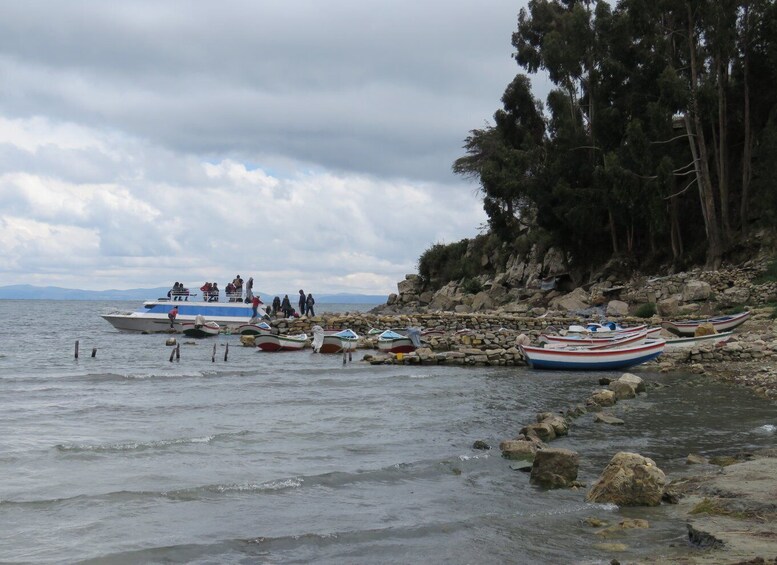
(696, 290)
(629, 480)
(602, 397)
(636, 382)
(522, 449)
(617, 308)
(575, 301)
(623, 390)
(555, 468)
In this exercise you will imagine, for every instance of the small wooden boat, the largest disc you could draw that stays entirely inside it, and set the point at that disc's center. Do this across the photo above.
(577, 340)
(720, 323)
(688, 342)
(586, 359)
(253, 329)
(200, 328)
(270, 342)
(334, 341)
(393, 342)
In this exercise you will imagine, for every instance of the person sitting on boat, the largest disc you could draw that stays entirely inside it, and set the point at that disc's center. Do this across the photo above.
(206, 288)
(276, 305)
(214, 293)
(230, 292)
(238, 283)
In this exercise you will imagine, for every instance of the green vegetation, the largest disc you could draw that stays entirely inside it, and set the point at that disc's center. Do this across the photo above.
(646, 310)
(714, 507)
(656, 143)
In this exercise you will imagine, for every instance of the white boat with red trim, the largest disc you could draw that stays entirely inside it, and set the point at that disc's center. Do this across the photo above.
(587, 359)
(270, 342)
(720, 323)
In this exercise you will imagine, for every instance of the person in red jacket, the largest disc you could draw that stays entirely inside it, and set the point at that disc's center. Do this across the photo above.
(255, 302)
(172, 314)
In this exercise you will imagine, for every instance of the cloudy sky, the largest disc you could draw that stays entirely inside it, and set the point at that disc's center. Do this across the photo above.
(305, 143)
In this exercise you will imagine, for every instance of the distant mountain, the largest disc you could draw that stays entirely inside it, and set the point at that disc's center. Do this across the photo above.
(30, 292)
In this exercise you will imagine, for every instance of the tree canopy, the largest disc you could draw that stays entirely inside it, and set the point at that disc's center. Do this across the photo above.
(658, 141)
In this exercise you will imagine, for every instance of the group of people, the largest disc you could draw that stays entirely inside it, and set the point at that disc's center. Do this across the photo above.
(234, 293)
(284, 307)
(178, 292)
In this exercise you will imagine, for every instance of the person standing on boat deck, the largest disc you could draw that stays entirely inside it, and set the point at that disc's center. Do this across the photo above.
(172, 314)
(302, 302)
(250, 289)
(214, 293)
(206, 291)
(309, 303)
(286, 306)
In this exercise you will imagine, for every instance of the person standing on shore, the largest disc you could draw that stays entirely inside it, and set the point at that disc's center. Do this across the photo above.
(286, 306)
(302, 302)
(172, 314)
(310, 302)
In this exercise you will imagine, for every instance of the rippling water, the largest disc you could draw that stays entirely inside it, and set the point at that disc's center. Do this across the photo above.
(295, 458)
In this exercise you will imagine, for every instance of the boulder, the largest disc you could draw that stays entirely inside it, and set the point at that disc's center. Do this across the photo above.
(668, 306)
(482, 301)
(555, 468)
(622, 389)
(392, 299)
(629, 480)
(411, 284)
(519, 449)
(694, 291)
(633, 380)
(575, 301)
(605, 418)
(602, 397)
(617, 308)
(248, 340)
(705, 329)
(541, 430)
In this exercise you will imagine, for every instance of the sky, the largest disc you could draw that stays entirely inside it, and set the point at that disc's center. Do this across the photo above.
(306, 144)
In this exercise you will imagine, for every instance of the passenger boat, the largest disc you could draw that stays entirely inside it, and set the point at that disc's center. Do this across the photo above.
(720, 323)
(334, 341)
(152, 315)
(253, 329)
(688, 342)
(270, 342)
(200, 328)
(390, 341)
(586, 359)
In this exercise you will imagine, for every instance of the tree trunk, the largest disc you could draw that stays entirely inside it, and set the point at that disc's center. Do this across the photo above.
(747, 151)
(723, 145)
(701, 160)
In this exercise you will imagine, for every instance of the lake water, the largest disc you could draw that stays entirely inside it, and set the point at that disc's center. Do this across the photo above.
(295, 458)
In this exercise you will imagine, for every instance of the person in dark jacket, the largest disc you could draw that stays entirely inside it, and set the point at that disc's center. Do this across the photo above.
(276, 305)
(302, 302)
(309, 303)
(286, 306)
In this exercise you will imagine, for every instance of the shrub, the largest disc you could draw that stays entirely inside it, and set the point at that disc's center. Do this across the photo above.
(471, 286)
(769, 275)
(646, 310)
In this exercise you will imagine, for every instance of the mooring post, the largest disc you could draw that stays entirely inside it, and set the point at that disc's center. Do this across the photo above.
(226, 352)
(343, 356)
(350, 358)
(178, 352)
(213, 359)
(172, 354)
(94, 352)
(76, 349)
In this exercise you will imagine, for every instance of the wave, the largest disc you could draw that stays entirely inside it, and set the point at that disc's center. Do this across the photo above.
(127, 446)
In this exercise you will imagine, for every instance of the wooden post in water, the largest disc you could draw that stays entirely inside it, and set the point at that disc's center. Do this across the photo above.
(172, 354)
(76, 349)
(350, 358)
(343, 356)
(226, 353)
(213, 359)
(178, 352)
(94, 352)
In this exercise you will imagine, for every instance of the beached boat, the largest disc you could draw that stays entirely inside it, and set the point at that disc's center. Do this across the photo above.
(253, 329)
(586, 359)
(334, 341)
(584, 340)
(688, 342)
(394, 342)
(152, 315)
(270, 342)
(720, 323)
(609, 329)
(200, 328)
